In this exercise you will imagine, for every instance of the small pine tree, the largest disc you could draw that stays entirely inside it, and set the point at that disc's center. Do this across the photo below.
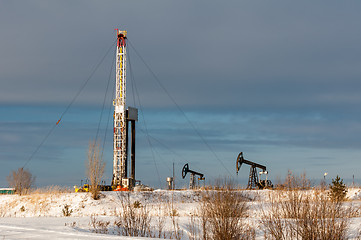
(338, 190)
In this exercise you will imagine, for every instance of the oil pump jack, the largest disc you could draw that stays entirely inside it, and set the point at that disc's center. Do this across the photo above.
(253, 181)
(192, 180)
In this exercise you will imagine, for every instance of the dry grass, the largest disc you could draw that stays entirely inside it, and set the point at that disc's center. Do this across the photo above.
(53, 190)
(221, 214)
(98, 226)
(293, 213)
(38, 201)
(193, 228)
(296, 214)
(4, 210)
(176, 232)
(161, 212)
(133, 220)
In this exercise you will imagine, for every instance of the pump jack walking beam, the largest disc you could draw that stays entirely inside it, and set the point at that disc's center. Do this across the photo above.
(241, 160)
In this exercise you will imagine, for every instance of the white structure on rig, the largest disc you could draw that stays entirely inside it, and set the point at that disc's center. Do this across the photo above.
(121, 120)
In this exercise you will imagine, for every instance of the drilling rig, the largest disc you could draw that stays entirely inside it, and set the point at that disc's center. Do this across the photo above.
(122, 117)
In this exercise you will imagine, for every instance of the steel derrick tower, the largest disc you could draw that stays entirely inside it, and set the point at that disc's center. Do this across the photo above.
(120, 121)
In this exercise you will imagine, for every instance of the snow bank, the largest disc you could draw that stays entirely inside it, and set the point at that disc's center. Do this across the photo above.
(40, 216)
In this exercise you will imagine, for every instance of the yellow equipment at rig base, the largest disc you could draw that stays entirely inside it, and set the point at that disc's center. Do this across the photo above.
(84, 188)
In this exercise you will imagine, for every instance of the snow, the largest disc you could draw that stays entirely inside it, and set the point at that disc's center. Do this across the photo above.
(40, 216)
(47, 228)
(354, 194)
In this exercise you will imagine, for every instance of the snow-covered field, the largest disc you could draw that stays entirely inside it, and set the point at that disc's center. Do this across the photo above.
(41, 216)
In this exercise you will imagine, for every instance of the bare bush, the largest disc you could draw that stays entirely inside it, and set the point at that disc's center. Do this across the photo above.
(71, 224)
(192, 226)
(177, 232)
(98, 226)
(161, 212)
(95, 169)
(203, 217)
(134, 219)
(305, 215)
(273, 220)
(22, 180)
(172, 212)
(295, 182)
(67, 211)
(321, 218)
(222, 213)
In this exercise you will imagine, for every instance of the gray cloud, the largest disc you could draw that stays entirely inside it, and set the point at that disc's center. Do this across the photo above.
(252, 76)
(206, 53)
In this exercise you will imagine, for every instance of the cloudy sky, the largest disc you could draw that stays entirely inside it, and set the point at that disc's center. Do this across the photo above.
(278, 80)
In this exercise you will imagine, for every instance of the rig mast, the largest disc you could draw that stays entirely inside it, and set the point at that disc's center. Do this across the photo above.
(120, 120)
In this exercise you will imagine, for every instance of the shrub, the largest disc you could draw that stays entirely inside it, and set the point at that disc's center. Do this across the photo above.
(132, 220)
(305, 215)
(177, 232)
(66, 211)
(161, 212)
(137, 204)
(222, 213)
(72, 224)
(22, 209)
(98, 226)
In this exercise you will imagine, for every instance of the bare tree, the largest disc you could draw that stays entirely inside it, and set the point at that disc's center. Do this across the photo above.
(22, 180)
(95, 169)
